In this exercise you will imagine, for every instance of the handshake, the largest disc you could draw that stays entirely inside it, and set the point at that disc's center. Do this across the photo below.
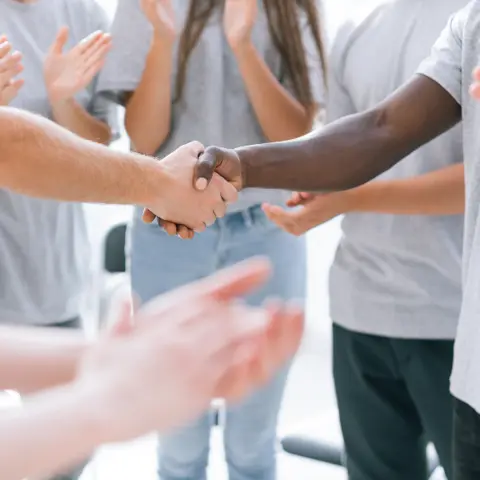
(195, 188)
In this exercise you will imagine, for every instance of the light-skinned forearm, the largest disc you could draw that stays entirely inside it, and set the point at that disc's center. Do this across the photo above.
(441, 192)
(148, 110)
(279, 114)
(69, 114)
(49, 433)
(42, 159)
(355, 149)
(33, 359)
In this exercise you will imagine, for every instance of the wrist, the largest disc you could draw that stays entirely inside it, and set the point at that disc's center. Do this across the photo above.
(241, 47)
(162, 39)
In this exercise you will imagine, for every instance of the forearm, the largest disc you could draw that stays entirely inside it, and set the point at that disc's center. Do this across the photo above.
(70, 115)
(48, 434)
(34, 359)
(441, 192)
(353, 150)
(42, 159)
(280, 115)
(148, 111)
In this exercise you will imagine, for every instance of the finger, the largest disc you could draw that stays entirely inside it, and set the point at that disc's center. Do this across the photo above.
(10, 62)
(60, 41)
(220, 210)
(223, 286)
(86, 43)
(475, 91)
(7, 77)
(169, 227)
(228, 192)
(235, 281)
(124, 322)
(281, 218)
(11, 91)
(148, 216)
(3, 39)
(5, 49)
(97, 52)
(184, 232)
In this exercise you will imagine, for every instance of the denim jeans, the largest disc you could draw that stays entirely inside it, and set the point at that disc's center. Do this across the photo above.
(160, 263)
(466, 442)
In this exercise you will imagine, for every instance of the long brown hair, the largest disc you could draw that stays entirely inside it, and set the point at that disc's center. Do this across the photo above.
(286, 33)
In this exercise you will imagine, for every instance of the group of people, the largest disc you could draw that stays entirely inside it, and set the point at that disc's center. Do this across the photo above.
(230, 73)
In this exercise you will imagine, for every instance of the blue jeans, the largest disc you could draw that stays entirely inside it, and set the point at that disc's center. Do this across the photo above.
(160, 263)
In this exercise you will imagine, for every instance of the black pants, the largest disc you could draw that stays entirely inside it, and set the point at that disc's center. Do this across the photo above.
(393, 396)
(466, 445)
(75, 472)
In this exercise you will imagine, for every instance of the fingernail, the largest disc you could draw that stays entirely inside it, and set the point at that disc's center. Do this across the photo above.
(201, 184)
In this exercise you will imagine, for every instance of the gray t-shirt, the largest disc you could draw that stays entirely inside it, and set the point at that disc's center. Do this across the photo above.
(395, 275)
(455, 55)
(44, 247)
(215, 108)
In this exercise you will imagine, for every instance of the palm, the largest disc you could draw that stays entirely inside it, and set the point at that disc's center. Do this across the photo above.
(161, 15)
(68, 73)
(238, 19)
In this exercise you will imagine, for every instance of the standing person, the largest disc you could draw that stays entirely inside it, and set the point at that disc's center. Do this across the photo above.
(353, 150)
(45, 253)
(395, 284)
(254, 70)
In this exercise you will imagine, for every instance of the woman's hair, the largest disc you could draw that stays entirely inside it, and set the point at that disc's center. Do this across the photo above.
(286, 33)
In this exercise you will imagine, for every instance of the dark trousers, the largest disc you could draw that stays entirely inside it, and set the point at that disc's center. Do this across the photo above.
(466, 444)
(393, 396)
(75, 472)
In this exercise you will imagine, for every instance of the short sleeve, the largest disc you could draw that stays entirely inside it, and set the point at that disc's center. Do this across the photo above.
(99, 107)
(131, 36)
(444, 65)
(339, 102)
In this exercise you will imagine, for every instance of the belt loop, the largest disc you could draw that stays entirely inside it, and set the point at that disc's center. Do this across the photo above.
(248, 217)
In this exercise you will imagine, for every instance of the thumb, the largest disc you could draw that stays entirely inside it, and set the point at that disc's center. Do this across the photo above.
(124, 322)
(223, 286)
(277, 214)
(60, 41)
(148, 216)
(205, 168)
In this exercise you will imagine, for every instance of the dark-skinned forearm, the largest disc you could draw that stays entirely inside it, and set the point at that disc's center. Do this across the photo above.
(353, 150)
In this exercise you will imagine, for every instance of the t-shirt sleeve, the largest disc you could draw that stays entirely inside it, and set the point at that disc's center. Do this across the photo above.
(100, 107)
(340, 103)
(131, 36)
(444, 65)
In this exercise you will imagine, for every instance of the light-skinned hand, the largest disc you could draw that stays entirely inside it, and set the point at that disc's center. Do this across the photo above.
(181, 202)
(68, 73)
(10, 67)
(186, 348)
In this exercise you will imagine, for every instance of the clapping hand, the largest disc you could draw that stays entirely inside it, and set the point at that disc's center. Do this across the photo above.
(238, 20)
(161, 16)
(186, 348)
(10, 67)
(67, 73)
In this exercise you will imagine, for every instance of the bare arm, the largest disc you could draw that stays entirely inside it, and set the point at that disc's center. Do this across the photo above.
(346, 153)
(147, 114)
(34, 359)
(57, 164)
(69, 114)
(280, 115)
(441, 192)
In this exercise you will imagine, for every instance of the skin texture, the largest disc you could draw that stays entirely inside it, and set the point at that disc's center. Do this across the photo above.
(279, 113)
(441, 192)
(42, 159)
(346, 153)
(225, 348)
